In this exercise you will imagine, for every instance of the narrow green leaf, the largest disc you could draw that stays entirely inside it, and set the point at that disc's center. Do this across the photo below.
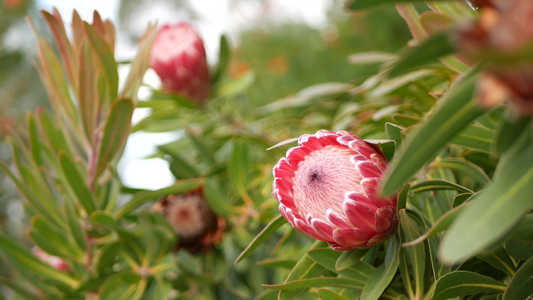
(34, 140)
(438, 184)
(429, 51)
(235, 86)
(116, 132)
(349, 258)
(238, 168)
(77, 183)
(18, 288)
(440, 225)
(378, 282)
(103, 219)
(463, 166)
(501, 260)
(223, 59)
(180, 167)
(459, 283)
(55, 137)
(25, 261)
(364, 4)
(521, 285)
(305, 269)
(492, 213)
(325, 294)
(52, 240)
(402, 197)
(107, 60)
(217, 201)
(200, 145)
(143, 197)
(476, 137)
(261, 237)
(328, 258)
(139, 64)
(88, 98)
(510, 129)
(416, 253)
(73, 220)
(394, 132)
(317, 282)
(456, 111)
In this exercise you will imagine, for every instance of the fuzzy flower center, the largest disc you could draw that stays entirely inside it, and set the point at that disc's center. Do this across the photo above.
(185, 216)
(322, 179)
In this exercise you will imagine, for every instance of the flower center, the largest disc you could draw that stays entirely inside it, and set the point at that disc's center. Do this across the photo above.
(322, 179)
(185, 216)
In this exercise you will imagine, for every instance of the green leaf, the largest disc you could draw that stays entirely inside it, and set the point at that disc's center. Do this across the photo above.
(235, 86)
(325, 294)
(440, 225)
(77, 183)
(52, 240)
(55, 137)
(438, 184)
(104, 219)
(116, 132)
(349, 258)
(262, 236)
(387, 147)
(25, 261)
(456, 111)
(416, 253)
(501, 260)
(305, 269)
(180, 168)
(34, 140)
(139, 64)
(476, 137)
(88, 98)
(73, 221)
(224, 56)
(402, 197)
(492, 213)
(143, 197)
(510, 129)
(521, 285)
(238, 168)
(463, 166)
(317, 282)
(394, 132)
(107, 60)
(201, 147)
(327, 258)
(459, 283)
(378, 282)
(217, 201)
(364, 4)
(429, 51)
(370, 57)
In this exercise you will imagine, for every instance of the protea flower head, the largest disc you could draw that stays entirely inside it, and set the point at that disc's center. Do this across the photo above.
(196, 226)
(178, 57)
(502, 38)
(326, 188)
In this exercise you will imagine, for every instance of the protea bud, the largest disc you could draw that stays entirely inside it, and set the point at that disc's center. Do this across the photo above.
(196, 226)
(178, 57)
(326, 188)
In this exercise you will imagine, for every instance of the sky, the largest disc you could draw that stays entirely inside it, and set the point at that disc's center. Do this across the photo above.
(216, 17)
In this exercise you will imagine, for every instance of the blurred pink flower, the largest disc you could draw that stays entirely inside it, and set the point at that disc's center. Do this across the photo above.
(178, 57)
(326, 188)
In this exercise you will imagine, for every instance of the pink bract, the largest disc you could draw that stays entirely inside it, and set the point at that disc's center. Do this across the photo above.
(178, 57)
(326, 188)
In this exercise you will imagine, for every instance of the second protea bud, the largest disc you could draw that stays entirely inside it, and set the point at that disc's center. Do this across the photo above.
(178, 57)
(326, 188)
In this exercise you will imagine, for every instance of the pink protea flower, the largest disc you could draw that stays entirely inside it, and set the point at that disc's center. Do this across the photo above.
(326, 188)
(178, 57)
